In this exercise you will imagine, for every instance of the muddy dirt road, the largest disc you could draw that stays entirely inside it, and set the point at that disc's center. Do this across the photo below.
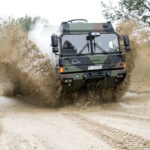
(122, 125)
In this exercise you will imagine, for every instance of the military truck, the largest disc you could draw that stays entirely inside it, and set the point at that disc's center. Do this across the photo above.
(89, 54)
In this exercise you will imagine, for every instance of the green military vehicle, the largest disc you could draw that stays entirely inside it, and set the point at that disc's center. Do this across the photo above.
(89, 54)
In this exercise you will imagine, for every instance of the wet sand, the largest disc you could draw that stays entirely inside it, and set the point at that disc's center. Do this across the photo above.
(122, 125)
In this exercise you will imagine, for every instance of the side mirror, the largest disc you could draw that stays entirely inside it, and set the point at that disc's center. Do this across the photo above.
(126, 42)
(54, 43)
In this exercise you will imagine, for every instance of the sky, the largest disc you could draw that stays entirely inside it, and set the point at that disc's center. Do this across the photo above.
(55, 11)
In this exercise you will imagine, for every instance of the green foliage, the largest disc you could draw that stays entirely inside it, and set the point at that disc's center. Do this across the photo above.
(128, 9)
(27, 22)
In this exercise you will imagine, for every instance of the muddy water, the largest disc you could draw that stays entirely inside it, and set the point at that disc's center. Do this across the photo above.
(6, 84)
(25, 67)
(141, 74)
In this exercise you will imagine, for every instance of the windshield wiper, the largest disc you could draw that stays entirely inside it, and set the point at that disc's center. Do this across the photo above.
(86, 45)
(100, 48)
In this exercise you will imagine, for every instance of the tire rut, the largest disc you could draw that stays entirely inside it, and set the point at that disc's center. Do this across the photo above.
(46, 145)
(124, 116)
(115, 138)
(14, 142)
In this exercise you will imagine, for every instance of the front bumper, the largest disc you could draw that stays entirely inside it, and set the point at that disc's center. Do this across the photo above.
(101, 78)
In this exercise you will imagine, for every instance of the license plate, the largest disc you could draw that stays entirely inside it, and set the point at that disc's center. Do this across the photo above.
(94, 67)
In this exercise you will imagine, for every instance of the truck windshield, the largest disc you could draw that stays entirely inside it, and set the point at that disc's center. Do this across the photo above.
(81, 44)
(74, 44)
(106, 43)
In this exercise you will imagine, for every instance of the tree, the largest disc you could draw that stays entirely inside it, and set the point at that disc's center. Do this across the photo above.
(128, 9)
(26, 22)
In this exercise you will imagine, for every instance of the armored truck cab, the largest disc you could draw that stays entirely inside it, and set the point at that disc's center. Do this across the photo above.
(89, 54)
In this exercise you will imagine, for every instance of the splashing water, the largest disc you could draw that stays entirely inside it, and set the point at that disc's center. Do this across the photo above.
(28, 69)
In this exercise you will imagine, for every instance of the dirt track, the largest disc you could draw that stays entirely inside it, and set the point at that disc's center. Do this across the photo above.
(124, 125)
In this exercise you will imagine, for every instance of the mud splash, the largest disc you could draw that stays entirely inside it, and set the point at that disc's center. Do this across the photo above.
(27, 69)
(141, 74)
(127, 28)
(139, 70)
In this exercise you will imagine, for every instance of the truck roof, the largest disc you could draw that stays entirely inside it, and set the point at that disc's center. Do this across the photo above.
(80, 27)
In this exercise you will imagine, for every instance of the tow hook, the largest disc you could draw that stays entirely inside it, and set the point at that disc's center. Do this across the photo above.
(68, 81)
